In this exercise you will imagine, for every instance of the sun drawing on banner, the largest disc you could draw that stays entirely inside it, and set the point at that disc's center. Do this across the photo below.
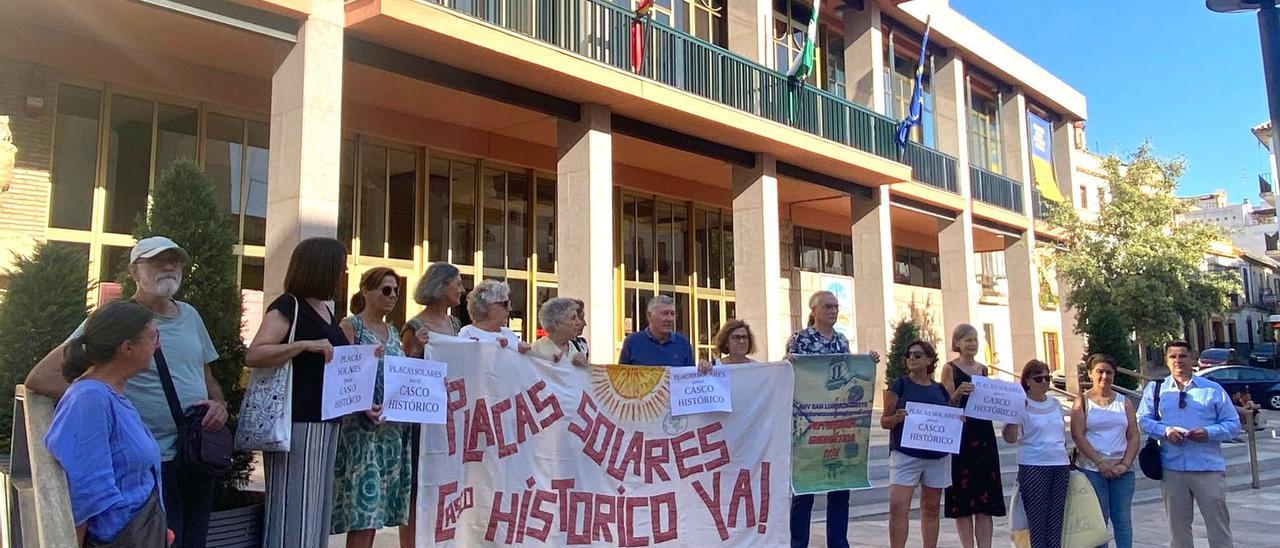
(630, 392)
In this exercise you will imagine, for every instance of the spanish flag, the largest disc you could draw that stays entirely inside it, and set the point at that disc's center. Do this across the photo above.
(1040, 134)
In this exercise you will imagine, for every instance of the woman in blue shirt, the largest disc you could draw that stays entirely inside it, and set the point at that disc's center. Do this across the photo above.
(111, 460)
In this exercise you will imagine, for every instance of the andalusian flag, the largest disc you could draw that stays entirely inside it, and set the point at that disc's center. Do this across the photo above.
(803, 65)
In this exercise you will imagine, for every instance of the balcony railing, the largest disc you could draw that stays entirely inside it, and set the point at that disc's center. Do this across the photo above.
(995, 189)
(1039, 206)
(601, 31)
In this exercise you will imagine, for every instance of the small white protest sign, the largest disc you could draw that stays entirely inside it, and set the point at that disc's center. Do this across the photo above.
(413, 390)
(693, 392)
(348, 381)
(932, 427)
(995, 400)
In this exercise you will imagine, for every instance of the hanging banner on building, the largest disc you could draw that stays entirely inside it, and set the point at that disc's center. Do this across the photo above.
(1040, 135)
(535, 452)
(831, 426)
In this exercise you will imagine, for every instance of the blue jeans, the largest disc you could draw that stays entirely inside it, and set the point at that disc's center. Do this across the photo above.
(837, 519)
(1116, 498)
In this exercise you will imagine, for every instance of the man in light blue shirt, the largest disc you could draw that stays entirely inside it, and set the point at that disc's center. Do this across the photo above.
(1196, 416)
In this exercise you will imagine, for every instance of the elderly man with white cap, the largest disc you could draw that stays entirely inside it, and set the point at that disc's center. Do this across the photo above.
(156, 264)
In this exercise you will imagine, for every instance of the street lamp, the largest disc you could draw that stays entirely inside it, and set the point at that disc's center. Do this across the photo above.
(1269, 32)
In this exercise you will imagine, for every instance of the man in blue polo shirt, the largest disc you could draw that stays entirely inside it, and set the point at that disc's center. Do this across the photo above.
(658, 344)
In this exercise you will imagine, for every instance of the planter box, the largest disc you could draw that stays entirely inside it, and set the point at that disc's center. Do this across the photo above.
(236, 528)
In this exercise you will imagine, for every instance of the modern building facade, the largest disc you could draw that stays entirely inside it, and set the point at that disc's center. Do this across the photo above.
(533, 141)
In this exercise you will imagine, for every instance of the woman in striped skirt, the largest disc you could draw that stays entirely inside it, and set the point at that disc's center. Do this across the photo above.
(300, 481)
(1043, 463)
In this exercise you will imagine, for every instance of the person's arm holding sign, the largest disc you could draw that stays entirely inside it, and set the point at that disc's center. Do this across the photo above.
(374, 414)
(889, 421)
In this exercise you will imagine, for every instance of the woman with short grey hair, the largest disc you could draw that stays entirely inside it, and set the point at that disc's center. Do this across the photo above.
(561, 318)
(489, 305)
(439, 289)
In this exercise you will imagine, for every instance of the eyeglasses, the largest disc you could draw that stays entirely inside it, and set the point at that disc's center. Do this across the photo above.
(1182, 400)
(504, 304)
(740, 338)
(1040, 378)
(388, 290)
(916, 355)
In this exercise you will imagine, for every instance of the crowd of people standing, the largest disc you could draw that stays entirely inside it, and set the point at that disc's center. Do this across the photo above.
(356, 474)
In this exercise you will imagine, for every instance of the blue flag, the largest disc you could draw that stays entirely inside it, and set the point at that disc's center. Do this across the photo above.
(916, 108)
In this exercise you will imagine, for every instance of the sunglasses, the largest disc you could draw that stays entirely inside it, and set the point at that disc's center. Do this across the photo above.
(1040, 378)
(916, 355)
(388, 290)
(504, 304)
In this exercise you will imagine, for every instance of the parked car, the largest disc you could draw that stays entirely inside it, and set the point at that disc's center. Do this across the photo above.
(1263, 385)
(1264, 355)
(1211, 357)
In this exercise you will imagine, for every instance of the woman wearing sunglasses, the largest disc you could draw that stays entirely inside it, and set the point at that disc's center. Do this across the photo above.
(373, 473)
(909, 467)
(1105, 429)
(1043, 464)
(489, 305)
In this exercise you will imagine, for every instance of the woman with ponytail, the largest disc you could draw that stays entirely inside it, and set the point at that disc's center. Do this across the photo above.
(111, 460)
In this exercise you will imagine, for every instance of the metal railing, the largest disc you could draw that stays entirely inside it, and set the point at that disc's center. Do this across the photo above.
(602, 31)
(995, 189)
(1039, 206)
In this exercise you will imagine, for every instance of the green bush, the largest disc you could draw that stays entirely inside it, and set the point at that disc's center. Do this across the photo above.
(905, 332)
(185, 209)
(43, 305)
(1107, 336)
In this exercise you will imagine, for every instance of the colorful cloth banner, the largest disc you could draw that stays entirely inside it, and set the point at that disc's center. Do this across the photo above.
(1040, 135)
(536, 452)
(831, 426)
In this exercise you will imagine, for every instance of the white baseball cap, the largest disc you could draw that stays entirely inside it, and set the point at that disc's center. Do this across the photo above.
(147, 248)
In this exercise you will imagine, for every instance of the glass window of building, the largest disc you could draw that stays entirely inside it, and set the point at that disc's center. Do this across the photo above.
(916, 267)
(75, 157)
(790, 22)
(986, 149)
(257, 155)
(236, 160)
(833, 63)
(822, 252)
(901, 57)
(128, 161)
(545, 225)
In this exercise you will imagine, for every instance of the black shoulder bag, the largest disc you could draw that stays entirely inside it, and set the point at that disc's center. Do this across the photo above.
(1149, 457)
(206, 452)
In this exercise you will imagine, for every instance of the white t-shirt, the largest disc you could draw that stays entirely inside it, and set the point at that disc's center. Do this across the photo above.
(473, 332)
(1043, 441)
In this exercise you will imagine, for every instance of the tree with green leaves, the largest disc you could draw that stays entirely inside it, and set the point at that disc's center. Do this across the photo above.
(184, 208)
(45, 301)
(1107, 336)
(905, 332)
(1138, 260)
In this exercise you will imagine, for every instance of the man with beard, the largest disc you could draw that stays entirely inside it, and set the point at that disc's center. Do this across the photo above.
(156, 265)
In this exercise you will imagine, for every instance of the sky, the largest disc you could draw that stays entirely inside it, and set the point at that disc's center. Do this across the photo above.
(1166, 71)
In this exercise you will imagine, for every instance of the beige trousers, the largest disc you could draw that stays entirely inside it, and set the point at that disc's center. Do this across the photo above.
(1208, 490)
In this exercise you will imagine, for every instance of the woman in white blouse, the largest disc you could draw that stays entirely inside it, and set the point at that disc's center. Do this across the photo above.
(1105, 430)
(489, 305)
(1043, 465)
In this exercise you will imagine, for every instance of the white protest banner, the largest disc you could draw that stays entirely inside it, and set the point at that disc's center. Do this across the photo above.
(692, 392)
(348, 381)
(413, 390)
(536, 452)
(932, 427)
(994, 400)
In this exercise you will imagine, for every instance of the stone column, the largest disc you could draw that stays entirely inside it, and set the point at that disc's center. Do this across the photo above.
(951, 114)
(306, 140)
(1064, 168)
(1073, 343)
(750, 25)
(757, 258)
(864, 56)
(1024, 292)
(584, 216)
(959, 277)
(1017, 149)
(873, 274)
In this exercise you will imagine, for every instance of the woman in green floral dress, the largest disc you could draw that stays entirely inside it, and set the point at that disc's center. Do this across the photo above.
(373, 472)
